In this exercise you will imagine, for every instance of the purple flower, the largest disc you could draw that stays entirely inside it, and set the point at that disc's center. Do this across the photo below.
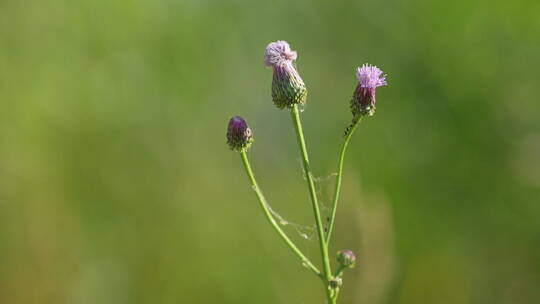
(278, 53)
(369, 76)
(239, 135)
(363, 101)
(288, 88)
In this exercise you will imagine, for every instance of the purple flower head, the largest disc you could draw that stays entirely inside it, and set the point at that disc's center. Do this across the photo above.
(278, 53)
(369, 76)
(363, 101)
(346, 258)
(288, 88)
(239, 135)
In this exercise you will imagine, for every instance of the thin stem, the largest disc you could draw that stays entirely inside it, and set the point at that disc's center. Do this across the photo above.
(334, 298)
(348, 136)
(313, 194)
(339, 271)
(270, 218)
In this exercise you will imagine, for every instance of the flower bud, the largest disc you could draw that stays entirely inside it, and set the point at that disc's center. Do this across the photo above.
(363, 100)
(239, 135)
(288, 88)
(335, 282)
(346, 258)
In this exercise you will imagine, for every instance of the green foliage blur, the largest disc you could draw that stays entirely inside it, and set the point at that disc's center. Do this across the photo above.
(116, 185)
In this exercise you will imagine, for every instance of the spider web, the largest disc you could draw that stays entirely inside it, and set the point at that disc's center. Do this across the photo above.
(305, 232)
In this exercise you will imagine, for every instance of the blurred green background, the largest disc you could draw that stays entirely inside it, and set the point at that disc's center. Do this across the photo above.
(116, 185)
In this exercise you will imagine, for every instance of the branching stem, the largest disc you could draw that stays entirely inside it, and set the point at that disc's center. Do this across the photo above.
(264, 205)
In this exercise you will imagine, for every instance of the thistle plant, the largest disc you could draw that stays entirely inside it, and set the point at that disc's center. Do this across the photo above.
(288, 93)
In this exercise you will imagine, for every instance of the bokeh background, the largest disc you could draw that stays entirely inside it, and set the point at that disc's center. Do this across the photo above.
(116, 185)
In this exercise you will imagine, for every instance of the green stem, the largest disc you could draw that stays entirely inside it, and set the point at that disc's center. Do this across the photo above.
(270, 218)
(327, 272)
(339, 271)
(348, 136)
(334, 298)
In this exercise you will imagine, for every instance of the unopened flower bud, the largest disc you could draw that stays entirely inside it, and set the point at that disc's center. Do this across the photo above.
(335, 282)
(239, 135)
(288, 88)
(363, 100)
(346, 258)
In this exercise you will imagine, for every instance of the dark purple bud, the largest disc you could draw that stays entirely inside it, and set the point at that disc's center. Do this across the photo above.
(239, 135)
(346, 258)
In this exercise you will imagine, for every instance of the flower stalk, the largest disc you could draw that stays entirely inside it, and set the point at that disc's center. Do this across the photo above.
(264, 206)
(327, 271)
(348, 135)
